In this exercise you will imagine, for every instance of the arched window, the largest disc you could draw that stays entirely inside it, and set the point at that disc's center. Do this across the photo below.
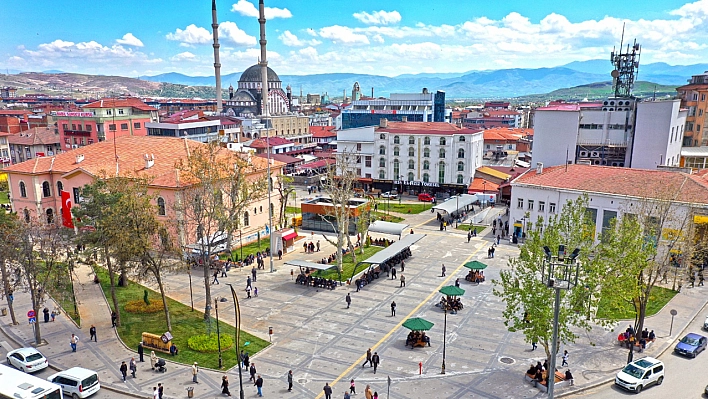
(260, 209)
(382, 150)
(396, 140)
(23, 190)
(161, 206)
(396, 151)
(460, 166)
(410, 176)
(426, 177)
(426, 165)
(461, 153)
(255, 211)
(50, 216)
(411, 140)
(271, 209)
(462, 138)
(246, 222)
(460, 179)
(426, 140)
(46, 190)
(382, 162)
(442, 140)
(60, 187)
(411, 152)
(396, 168)
(441, 172)
(426, 153)
(27, 215)
(442, 153)
(411, 164)
(382, 174)
(382, 136)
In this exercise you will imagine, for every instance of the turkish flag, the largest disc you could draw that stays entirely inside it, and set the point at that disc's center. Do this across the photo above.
(66, 209)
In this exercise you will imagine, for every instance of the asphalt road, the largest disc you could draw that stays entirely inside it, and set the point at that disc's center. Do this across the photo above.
(683, 378)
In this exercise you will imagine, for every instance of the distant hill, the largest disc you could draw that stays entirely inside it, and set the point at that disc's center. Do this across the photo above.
(599, 90)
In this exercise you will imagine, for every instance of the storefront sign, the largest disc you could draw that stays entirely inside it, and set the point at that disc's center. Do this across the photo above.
(72, 114)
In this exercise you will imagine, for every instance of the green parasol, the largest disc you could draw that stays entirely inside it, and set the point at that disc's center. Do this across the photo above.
(451, 290)
(418, 324)
(475, 265)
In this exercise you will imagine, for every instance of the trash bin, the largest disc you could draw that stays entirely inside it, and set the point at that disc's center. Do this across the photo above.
(190, 392)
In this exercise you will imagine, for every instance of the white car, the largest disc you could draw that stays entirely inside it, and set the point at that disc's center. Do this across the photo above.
(705, 324)
(390, 195)
(28, 360)
(77, 382)
(640, 373)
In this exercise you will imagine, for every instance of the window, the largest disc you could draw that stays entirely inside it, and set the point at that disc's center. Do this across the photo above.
(607, 218)
(411, 152)
(462, 138)
(65, 126)
(245, 219)
(442, 140)
(461, 153)
(382, 162)
(396, 151)
(109, 112)
(112, 127)
(382, 136)
(520, 203)
(23, 190)
(123, 126)
(358, 146)
(426, 177)
(60, 187)
(703, 97)
(367, 162)
(541, 206)
(411, 140)
(382, 174)
(50, 216)
(136, 125)
(552, 207)
(442, 153)
(426, 141)
(396, 140)
(426, 165)
(426, 153)
(88, 128)
(530, 205)
(460, 179)
(120, 111)
(358, 159)
(441, 172)
(46, 190)
(161, 206)
(73, 126)
(460, 166)
(410, 176)
(382, 150)
(27, 215)
(411, 164)
(396, 168)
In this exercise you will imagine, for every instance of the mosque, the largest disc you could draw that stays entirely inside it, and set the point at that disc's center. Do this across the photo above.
(246, 100)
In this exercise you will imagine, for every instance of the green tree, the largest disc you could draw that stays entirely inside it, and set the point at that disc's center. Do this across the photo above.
(9, 252)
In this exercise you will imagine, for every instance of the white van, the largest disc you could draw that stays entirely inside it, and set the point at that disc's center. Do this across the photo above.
(77, 382)
(640, 373)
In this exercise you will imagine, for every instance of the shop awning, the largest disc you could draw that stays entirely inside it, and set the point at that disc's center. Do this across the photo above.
(456, 203)
(317, 164)
(380, 226)
(289, 235)
(311, 265)
(394, 249)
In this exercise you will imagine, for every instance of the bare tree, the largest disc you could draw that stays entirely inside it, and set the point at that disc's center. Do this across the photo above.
(284, 187)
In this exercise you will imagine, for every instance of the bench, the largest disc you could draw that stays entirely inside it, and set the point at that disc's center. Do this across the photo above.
(623, 342)
(559, 378)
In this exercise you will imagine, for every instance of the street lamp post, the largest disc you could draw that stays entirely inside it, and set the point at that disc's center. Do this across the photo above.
(270, 205)
(240, 243)
(191, 295)
(237, 324)
(218, 332)
(457, 207)
(560, 272)
(444, 341)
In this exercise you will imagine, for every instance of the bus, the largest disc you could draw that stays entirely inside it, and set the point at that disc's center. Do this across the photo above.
(15, 384)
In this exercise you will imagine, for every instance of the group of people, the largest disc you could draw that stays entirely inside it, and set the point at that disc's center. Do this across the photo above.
(380, 242)
(450, 303)
(417, 336)
(629, 337)
(490, 251)
(329, 259)
(539, 373)
(476, 276)
(310, 280)
(310, 247)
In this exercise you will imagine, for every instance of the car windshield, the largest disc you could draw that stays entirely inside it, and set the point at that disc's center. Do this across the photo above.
(87, 382)
(33, 357)
(690, 341)
(633, 370)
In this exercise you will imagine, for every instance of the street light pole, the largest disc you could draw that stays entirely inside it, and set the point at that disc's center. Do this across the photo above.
(237, 324)
(270, 205)
(444, 342)
(457, 206)
(218, 333)
(191, 295)
(240, 242)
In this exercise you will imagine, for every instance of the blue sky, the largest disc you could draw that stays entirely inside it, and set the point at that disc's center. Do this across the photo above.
(131, 37)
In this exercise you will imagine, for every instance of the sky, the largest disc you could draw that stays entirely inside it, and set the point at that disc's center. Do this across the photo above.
(147, 37)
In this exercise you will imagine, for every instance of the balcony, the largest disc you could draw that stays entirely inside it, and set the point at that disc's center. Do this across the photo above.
(83, 133)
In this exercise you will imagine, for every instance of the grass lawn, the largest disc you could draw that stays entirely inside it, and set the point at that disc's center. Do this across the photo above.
(659, 298)
(467, 227)
(61, 289)
(387, 218)
(348, 264)
(4, 197)
(403, 208)
(185, 324)
(293, 209)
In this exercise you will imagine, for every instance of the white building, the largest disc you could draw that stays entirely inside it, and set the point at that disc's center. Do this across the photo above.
(200, 130)
(616, 132)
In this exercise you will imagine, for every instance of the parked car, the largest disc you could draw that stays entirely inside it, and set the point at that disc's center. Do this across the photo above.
(691, 345)
(705, 324)
(390, 195)
(28, 360)
(641, 373)
(425, 197)
(77, 382)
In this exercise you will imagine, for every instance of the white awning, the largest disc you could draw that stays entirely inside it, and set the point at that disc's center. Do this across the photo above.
(394, 249)
(456, 203)
(380, 226)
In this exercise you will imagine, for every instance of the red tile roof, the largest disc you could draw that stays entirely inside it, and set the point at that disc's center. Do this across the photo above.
(286, 159)
(273, 141)
(35, 136)
(130, 102)
(432, 128)
(638, 183)
(323, 131)
(316, 164)
(480, 185)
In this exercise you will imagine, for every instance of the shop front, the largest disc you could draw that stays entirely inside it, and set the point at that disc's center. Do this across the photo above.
(416, 187)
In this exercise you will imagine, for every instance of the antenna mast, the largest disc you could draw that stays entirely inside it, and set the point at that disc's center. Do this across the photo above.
(626, 63)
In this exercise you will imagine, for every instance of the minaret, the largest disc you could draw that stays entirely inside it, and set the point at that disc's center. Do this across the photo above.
(217, 64)
(263, 62)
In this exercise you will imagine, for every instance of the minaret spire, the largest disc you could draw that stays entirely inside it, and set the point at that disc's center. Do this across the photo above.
(217, 64)
(263, 62)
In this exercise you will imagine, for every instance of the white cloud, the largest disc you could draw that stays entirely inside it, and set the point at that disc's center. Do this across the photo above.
(192, 34)
(378, 17)
(342, 34)
(130, 40)
(289, 39)
(185, 56)
(235, 35)
(247, 9)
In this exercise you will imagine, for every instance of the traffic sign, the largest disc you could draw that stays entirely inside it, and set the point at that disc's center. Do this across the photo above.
(31, 314)
(32, 320)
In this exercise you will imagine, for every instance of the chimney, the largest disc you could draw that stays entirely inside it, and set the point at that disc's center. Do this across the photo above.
(404, 118)
(383, 122)
(79, 158)
(372, 92)
(149, 160)
(539, 168)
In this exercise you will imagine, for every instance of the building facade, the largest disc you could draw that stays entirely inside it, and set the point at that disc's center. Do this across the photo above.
(414, 107)
(694, 97)
(34, 143)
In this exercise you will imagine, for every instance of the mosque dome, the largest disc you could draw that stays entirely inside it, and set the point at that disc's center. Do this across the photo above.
(253, 74)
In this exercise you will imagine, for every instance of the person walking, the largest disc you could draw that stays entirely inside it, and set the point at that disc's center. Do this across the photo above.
(124, 370)
(565, 359)
(246, 361)
(498, 239)
(352, 387)
(141, 352)
(393, 273)
(253, 372)
(195, 373)
(533, 346)
(403, 280)
(225, 385)
(253, 273)
(376, 395)
(215, 275)
(248, 282)
(46, 315)
(155, 395)
(153, 359)
(443, 270)
(133, 366)
(348, 299)
(318, 245)
(290, 381)
(368, 358)
(393, 308)
(457, 283)
(248, 291)
(259, 385)
(160, 391)
(327, 391)
(92, 334)
(114, 318)
(346, 395)
(375, 361)
(73, 342)
(469, 236)
(367, 392)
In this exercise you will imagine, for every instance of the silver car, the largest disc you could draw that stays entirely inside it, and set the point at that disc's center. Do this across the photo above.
(28, 360)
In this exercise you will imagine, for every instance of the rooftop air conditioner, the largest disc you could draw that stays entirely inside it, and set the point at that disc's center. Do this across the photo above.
(583, 154)
(595, 154)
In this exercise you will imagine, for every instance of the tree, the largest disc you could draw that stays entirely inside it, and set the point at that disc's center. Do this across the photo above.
(366, 217)
(529, 302)
(284, 187)
(9, 251)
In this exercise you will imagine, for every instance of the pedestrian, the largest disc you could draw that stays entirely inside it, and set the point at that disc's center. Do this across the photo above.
(352, 387)
(533, 346)
(494, 231)
(223, 272)
(92, 334)
(46, 315)
(493, 250)
(569, 377)
(469, 236)
(155, 394)
(443, 270)
(376, 395)
(248, 291)
(280, 254)
(474, 232)
(215, 275)
(318, 245)
(160, 391)
(54, 312)
(327, 391)
(367, 392)
(359, 285)
(246, 361)
(403, 280)
(346, 395)
(255, 292)
(114, 318)
(368, 359)
(259, 385)
(403, 266)
(153, 359)
(457, 283)
(375, 360)
(565, 359)
(124, 370)
(253, 372)
(393, 273)
(225, 385)
(253, 273)
(133, 366)
(290, 381)
(195, 373)
(141, 351)
(74, 340)
(348, 299)
(393, 308)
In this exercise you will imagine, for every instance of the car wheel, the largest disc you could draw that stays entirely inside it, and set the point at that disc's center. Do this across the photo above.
(660, 380)
(638, 389)
(74, 396)
(8, 361)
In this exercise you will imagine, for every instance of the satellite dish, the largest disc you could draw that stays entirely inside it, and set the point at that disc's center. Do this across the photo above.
(615, 73)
